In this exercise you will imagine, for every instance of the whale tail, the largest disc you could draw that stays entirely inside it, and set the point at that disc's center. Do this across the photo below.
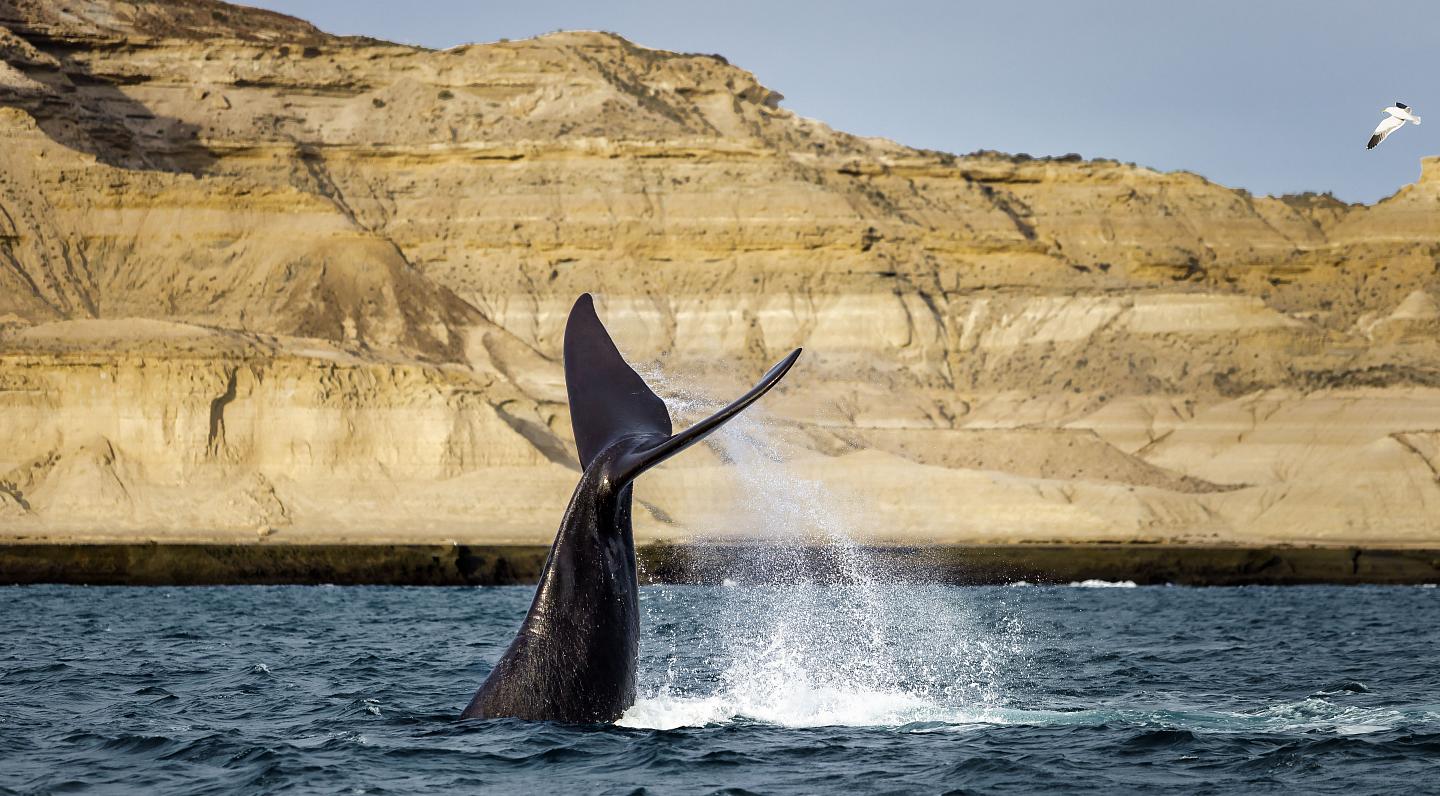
(609, 400)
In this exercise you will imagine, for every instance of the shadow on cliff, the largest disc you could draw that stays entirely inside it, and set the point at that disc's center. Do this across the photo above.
(92, 114)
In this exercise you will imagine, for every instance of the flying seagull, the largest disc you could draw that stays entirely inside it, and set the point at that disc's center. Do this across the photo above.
(1395, 118)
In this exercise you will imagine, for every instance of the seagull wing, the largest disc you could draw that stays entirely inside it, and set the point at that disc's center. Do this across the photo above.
(1387, 126)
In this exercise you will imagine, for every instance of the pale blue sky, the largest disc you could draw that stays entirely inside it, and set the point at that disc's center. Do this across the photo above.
(1275, 96)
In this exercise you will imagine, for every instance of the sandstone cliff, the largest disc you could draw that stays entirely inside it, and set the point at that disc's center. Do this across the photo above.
(257, 281)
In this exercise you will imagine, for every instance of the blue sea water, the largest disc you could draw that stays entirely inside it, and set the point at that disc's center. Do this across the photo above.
(804, 688)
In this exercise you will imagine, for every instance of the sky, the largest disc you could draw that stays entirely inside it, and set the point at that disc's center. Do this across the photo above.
(1275, 96)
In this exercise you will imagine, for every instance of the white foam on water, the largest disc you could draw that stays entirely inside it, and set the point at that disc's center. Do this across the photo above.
(798, 707)
(1103, 584)
(848, 707)
(1360, 729)
(1313, 715)
(1318, 714)
(822, 638)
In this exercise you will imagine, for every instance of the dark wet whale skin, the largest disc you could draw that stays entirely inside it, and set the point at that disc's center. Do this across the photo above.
(575, 655)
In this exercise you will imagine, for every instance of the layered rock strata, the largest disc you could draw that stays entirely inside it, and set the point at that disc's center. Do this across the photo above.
(260, 282)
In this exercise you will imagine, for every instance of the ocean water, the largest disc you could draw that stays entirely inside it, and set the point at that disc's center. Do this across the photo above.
(865, 686)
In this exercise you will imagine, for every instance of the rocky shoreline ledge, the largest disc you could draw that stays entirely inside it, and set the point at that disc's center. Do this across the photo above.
(148, 564)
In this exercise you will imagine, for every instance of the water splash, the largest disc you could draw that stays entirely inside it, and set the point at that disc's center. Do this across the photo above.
(821, 633)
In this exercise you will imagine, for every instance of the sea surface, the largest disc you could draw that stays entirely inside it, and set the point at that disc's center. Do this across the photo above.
(800, 688)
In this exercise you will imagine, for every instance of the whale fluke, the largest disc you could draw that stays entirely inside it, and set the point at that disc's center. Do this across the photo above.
(641, 458)
(608, 399)
(574, 657)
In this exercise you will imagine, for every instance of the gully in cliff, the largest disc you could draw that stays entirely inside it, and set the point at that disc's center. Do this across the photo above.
(574, 657)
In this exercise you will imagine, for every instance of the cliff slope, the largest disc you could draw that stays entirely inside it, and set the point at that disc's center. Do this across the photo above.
(257, 281)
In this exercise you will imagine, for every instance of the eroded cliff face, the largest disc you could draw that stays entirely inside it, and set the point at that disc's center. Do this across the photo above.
(261, 282)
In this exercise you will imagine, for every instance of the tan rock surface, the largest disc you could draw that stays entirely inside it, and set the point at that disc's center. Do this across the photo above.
(259, 282)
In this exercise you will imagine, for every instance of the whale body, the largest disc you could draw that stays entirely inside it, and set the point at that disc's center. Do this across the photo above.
(574, 658)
